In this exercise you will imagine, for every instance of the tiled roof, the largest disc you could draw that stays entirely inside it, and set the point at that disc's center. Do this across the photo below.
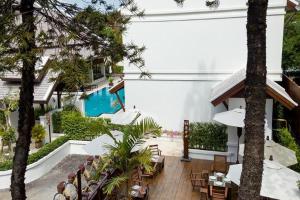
(16, 76)
(42, 90)
(229, 86)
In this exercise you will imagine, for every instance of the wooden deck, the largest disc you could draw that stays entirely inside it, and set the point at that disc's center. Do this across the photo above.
(173, 183)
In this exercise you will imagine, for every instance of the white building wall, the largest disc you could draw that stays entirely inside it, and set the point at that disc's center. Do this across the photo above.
(188, 50)
(171, 102)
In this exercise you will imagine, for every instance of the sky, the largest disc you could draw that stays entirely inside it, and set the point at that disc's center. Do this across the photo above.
(84, 3)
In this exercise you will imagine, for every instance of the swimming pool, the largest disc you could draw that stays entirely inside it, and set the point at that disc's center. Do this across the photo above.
(102, 101)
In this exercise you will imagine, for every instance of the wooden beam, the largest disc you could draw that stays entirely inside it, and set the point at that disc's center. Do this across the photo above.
(231, 92)
(285, 102)
(119, 99)
(117, 87)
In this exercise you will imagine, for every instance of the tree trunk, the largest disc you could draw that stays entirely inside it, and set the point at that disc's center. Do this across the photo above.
(26, 112)
(255, 94)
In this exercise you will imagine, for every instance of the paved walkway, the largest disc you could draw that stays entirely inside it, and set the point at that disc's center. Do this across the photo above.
(45, 187)
(170, 146)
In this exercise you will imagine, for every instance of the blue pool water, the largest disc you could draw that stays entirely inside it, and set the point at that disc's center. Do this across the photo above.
(102, 101)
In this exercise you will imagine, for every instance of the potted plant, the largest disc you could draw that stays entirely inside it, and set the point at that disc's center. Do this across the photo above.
(110, 81)
(8, 137)
(38, 134)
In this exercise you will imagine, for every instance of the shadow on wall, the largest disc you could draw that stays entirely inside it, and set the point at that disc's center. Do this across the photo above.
(198, 107)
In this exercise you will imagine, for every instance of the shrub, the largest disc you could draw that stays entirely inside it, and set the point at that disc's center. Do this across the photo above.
(118, 69)
(56, 122)
(46, 149)
(73, 123)
(70, 107)
(38, 133)
(83, 128)
(8, 135)
(2, 118)
(38, 111)
(208, 136)
(286, 139)
(42, 152)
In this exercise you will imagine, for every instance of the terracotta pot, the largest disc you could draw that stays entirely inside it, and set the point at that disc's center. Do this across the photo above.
(38, 144)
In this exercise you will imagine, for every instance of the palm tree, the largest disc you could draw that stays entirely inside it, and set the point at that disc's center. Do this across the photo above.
(255, 101)
(124, 160)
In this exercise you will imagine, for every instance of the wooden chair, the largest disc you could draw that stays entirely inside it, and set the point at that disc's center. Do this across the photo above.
(155, 150)
(219, 164)
(143, 174)
(201, 183)
(218, 193)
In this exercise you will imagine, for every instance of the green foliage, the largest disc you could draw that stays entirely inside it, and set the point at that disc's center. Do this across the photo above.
(291, 42)
(208, 136)
(38, 133)
(77, 126)
(70, 107)
(42, 152)
(38, 111)
(110, 80)
(8, 135)
(56, 121)
(286, 139)
(117, 69)
(2, 118)
(123, 159)
(73, 71)
(46, 149)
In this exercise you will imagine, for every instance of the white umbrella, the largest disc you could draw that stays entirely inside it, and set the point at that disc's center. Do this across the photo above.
(125, 118)
(236, 118)
(98, 146)
(278, 182)
(279, 153)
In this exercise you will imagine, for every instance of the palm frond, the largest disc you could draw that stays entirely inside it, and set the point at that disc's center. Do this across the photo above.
(115, 182)
(149, 126)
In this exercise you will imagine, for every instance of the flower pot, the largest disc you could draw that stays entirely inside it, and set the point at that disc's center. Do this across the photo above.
(38, 144)
(110, 83)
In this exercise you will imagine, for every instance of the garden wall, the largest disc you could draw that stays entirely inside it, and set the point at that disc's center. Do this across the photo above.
(44, 165)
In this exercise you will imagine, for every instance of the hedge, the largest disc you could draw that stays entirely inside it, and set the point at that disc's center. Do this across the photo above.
(76, 127)
(56, 122)
(44, 151)
(208, 136)
(286, 139)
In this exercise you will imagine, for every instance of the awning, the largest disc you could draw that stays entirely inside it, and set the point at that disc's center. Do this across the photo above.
(100, 145)
(42, 91)
(278, 182)
(279, 153)
(235, 84)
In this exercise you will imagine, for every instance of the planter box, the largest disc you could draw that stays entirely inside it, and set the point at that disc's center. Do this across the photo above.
(209, 155)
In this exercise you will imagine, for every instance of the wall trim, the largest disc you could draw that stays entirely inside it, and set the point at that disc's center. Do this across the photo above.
(198, 14)
(209, 155)
(190, 75)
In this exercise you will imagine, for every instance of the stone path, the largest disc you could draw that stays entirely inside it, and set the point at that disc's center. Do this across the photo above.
(45, 187)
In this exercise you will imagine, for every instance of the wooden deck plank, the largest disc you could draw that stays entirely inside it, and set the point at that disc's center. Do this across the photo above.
(174, 181)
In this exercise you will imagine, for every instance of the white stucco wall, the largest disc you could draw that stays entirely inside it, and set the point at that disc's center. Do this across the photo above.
(188, 50)
(171, 102)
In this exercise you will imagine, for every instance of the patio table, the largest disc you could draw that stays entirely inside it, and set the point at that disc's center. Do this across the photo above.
(139, 193)
(218, 179)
